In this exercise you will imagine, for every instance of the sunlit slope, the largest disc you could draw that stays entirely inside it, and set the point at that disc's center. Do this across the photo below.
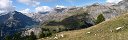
(113, 29)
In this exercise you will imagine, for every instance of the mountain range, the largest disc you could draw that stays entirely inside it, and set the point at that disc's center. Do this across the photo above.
(15, 21)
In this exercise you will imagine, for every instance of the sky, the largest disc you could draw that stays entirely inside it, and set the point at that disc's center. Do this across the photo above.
(45, 5)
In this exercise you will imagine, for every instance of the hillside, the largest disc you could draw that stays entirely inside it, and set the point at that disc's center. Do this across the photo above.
(113, 29)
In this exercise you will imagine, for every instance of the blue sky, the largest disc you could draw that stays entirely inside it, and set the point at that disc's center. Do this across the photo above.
(21, 6)
(45, 5)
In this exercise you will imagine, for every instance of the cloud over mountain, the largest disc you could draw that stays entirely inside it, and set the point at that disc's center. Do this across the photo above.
(113, 1)
(43, 9)
(60, 6)
(25, 10)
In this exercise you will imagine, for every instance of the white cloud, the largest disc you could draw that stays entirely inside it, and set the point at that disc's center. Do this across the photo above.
(30, 2)
(48, 0)
(113, 1)
(25, 11)
(43, 9)
(6, 5)
(60, 6)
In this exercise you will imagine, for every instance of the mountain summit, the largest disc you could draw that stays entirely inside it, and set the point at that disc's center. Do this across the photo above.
(14, 21)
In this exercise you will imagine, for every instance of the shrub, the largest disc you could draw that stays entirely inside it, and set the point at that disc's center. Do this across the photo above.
(42, 35)
(32, 36)
(45, 33)
(8, 37)
(17, 36)
(100, 19)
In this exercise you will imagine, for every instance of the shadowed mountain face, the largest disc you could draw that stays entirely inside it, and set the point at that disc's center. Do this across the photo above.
(15, 21)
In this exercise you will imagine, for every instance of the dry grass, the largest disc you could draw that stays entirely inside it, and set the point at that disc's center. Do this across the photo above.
(103, 31)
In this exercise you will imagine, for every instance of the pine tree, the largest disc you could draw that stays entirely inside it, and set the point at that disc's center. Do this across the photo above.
(8, 37)
(100, 19)
(32, 36)
(17, 36)
(42, 35)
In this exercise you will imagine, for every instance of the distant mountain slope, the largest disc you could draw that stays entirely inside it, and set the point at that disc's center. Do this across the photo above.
(113, 29)
(108, 11)
(14, 21)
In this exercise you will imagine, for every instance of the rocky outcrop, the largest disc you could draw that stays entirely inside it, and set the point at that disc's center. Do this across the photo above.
(37, 31)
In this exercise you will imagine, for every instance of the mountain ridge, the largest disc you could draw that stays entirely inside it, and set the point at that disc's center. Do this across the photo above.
(14, 21)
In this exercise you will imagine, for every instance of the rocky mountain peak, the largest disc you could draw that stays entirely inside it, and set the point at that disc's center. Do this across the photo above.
(14, 21)
(125, 0)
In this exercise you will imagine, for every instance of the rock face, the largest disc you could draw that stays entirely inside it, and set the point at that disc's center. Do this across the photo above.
(37, 31)
(123, 4)
(14, 21)
(49, 16)
(59, 10)
(107, 11)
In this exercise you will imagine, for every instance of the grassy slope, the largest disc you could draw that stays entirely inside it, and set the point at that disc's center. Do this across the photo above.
(103, 31)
